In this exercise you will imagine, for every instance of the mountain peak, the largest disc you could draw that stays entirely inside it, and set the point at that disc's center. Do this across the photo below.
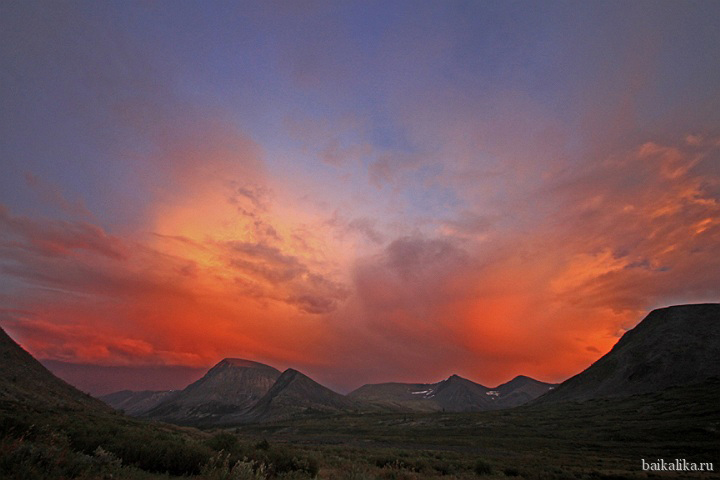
(456, 378)
(225, 391)
(240, 362)
(294, 392)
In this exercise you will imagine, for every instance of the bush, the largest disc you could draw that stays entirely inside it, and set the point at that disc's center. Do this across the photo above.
(223, 441)
(218, 468)
(482, 467)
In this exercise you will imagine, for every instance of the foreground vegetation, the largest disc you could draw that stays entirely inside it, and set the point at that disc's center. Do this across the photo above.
(603, 439)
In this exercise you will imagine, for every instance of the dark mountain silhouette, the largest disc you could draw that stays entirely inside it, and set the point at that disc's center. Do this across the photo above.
(23, 380)
(224, 394)
(295, 393)
(455, 394)
(677, 345)
(520, 390)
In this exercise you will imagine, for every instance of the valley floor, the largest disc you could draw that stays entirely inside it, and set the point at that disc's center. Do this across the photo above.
(600, 439)
(597, 439)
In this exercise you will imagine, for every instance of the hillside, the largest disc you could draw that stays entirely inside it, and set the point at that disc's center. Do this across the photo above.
(672, 346)
(51, 430)
(25, 381)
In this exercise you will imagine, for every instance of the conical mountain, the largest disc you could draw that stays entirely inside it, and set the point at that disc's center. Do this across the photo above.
(519, 391)
(455, 394)
(24, 381)
(295, 393)
(222, 395)
(677, 345)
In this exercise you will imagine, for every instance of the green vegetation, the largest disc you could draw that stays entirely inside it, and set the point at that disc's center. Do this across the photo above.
(601, 439)
(64, 442)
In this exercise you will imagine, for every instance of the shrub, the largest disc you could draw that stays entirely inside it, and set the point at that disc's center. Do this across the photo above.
(482, 467)
(218, 468)
(223, 441)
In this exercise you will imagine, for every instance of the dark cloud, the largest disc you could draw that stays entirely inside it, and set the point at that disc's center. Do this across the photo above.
(267, 262)
(470, 223)
(272, 272)
(364, 226)
(53, 195)
(416, 257)
(58, 238)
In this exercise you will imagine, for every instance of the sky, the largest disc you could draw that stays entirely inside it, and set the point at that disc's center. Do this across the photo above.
(363, 191)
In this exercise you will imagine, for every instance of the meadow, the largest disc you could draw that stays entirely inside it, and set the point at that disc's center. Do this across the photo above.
(599, 439)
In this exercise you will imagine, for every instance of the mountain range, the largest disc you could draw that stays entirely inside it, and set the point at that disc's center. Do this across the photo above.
(52, 430)
(454, 394)
(239, 391)
(672, 346)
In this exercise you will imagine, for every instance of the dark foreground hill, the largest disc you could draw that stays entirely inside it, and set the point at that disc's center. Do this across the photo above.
(52, 431)
(49, 429)
(23, 380)
(672, 346)
(455, 394)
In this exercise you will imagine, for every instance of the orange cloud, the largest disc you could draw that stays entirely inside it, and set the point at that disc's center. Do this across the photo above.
(234, 267)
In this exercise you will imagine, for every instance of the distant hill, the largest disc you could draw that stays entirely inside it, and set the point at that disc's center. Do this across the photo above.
(520, 390)
(295, 393)
(240, 391)
(138, 403)
(25, 381)
(224, 394)
(455, 394)
(99, 380)
(677, 345)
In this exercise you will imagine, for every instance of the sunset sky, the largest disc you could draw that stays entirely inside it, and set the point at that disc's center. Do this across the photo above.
(363, 191)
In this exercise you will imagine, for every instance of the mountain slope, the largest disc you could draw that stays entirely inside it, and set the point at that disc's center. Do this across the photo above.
(295, 393)
(138, 403)
(225, 393)
(677, 345)
(24, 380)
(51, 430)
(457, 394)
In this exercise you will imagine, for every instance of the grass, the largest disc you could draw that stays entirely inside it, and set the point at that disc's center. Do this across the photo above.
(602, 439)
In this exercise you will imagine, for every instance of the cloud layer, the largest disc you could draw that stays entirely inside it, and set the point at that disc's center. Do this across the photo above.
(469, 189)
